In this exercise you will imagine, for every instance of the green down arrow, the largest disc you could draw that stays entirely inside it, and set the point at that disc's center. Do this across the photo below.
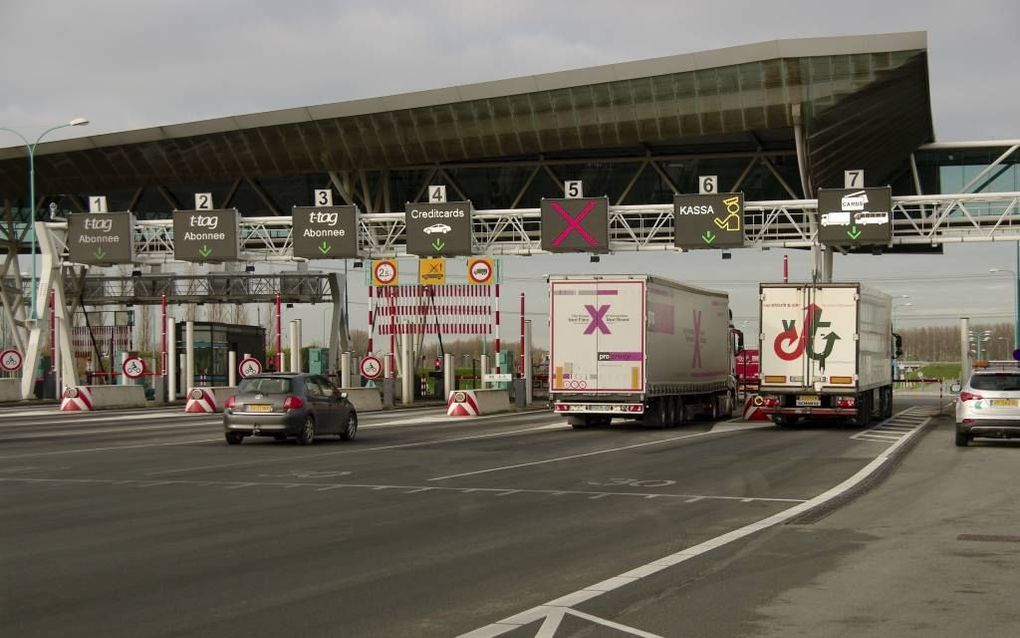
(100, 253)
(205, 251)
(708, 237)
(438, 245)
(853, 232)
(324, 248)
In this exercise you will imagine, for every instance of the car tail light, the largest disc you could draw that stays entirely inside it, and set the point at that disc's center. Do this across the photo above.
(293, 403)
(846, 402)
(970, 396)
(968, 421)
(229, 404)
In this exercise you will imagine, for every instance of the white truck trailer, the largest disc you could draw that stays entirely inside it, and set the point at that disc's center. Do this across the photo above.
(639, 347)
(826, 352)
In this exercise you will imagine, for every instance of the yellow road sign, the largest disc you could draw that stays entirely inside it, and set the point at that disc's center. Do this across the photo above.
(481, 271)
(432, 271)
(384, 272)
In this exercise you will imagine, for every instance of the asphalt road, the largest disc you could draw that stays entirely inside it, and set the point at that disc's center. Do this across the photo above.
(146, 523)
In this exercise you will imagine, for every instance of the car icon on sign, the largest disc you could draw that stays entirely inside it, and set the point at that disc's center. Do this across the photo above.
(437, 228)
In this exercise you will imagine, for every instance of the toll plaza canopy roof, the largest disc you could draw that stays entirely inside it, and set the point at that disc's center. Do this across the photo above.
(859, 102)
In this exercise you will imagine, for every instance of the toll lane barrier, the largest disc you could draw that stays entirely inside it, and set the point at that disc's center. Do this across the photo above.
(86, 398)
(10, 390)
(477, 402)
(364, 399)
(208, 399)
(752, 408)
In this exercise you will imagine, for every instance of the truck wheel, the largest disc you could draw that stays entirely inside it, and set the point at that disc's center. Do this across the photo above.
(579, 422)
(782, 422)
(887, 413)
(962, 439)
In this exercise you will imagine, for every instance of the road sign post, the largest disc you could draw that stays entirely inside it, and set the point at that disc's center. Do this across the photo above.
(431, 271)
(133, 367)
(100, 239)
(851, 217)
(206, 236)
(249, 367)
(11, 360)
(481, 271)
(325, 232)
(370, 367)
(384, 272)
(438, 229)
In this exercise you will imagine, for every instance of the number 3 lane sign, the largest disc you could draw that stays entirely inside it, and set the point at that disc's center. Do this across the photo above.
(10, 360)
(249, 367)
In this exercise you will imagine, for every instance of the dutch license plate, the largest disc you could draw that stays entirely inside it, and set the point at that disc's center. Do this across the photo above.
(1005, 403)
(808, 400)
(259, 407)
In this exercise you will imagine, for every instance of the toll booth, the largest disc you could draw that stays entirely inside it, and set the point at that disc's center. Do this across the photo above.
(212, 343)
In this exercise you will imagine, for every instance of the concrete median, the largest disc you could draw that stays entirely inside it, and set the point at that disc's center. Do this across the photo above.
(477, 402)
(102, 397)
(10, 390)
(209, 399)
(364, 399)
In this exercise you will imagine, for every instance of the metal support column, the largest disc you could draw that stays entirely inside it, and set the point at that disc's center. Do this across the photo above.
(407, 372)
(965, 365)
(345, 370)
(189, 355)
(171, 344)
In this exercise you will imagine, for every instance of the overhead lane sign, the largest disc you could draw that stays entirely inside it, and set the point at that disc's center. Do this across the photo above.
(711, 220)
(325, 232)
(575, 225)
(855, 216)
(101, 239)
(206, 236)
(438, 229)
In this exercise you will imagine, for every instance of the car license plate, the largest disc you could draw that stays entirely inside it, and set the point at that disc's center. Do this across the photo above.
(259, 407)
(1005, 403)
(808, 400)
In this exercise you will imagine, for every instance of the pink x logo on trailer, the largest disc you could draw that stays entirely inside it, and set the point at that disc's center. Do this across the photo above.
(597, 319)
(574, 224)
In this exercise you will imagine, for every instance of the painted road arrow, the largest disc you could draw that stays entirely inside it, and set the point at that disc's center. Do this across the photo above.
(324, 248)
(205, 251)
(100, 253)
(853, 232)
(708, 237)
(438, 245)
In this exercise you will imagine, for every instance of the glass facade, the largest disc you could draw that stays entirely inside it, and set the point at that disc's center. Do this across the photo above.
(212, 343)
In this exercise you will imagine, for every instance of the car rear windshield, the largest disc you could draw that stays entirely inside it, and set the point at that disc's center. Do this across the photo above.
(265, 385)
(993, 382)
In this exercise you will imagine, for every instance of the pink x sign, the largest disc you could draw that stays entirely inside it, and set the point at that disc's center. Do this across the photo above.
(574, 224)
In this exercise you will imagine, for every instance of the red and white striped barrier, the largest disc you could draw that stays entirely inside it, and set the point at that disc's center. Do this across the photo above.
(462, 403)
(201, 400)
(77, 399)
(752, 408)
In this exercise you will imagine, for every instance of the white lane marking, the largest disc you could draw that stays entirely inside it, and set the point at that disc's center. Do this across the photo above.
(555, 618)
(84, 430)
(551, 426)
(409, 489)
(582, 455)
(106, 449)
(539, 612)
(113, 415)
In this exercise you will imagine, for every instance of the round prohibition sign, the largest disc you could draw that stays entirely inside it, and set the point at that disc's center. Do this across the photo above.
(480, 272)
(249, 367)
(385, 272)
(11, 360)
(133, 367)
(370, 367)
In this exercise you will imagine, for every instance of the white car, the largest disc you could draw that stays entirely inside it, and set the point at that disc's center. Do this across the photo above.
(437, 228)
(988, 405)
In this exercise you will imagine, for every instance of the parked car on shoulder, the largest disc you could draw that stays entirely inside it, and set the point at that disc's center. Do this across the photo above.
(283, 405)
(988, 405)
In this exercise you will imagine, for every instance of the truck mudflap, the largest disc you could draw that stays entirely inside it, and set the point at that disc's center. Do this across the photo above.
(635, 409)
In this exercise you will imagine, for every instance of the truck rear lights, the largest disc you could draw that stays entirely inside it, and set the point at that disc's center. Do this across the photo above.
(293, 403)
(970, 396)
(846, 402)
(967, 421)
(770, 402)
(637, 408)
(561, 407)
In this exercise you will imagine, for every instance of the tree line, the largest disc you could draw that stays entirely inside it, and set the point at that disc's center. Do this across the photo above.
(942, 343)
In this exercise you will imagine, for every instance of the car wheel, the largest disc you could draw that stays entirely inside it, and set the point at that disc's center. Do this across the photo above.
(307, 434)
(234, 438)
(962, 439)
(351, 429)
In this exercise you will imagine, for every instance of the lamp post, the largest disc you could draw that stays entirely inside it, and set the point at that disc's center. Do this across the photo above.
(1016, 298)
(78, 121)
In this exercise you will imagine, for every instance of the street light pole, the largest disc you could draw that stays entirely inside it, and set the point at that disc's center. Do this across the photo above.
(78, 121)
(1016, 296)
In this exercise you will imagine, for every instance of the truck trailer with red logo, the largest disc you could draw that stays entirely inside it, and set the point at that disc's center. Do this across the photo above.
(826, 352)
(639, 347)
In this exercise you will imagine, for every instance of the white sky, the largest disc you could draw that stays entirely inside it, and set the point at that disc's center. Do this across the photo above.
(127, 64)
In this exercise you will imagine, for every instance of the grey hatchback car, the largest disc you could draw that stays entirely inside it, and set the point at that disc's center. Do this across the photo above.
(281, 405)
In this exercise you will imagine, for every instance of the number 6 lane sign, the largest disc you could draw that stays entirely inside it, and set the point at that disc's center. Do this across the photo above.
(10, 360)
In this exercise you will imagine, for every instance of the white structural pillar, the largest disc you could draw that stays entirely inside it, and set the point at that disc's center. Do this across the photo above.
(295, 345)
(171, 357)
(189, 355)
(231, 368)
(529, 382)
(965, 350)
(123, 360)
(345, 370)
(407, 370)
(449, 375)
(483, 364)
